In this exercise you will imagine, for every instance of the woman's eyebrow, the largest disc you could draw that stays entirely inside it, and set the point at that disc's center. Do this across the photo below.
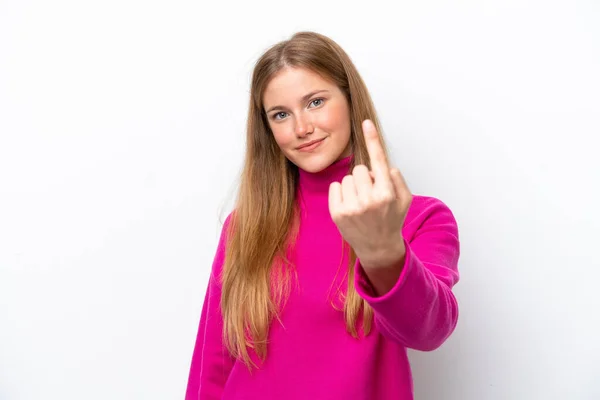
(304, 99)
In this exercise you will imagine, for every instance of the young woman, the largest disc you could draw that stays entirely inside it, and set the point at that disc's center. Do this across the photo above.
(328, 268)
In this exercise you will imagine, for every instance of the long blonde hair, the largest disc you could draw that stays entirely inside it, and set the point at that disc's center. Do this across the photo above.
(257, 275)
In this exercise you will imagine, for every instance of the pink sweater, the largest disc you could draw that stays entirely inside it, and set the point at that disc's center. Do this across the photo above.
(310, 355)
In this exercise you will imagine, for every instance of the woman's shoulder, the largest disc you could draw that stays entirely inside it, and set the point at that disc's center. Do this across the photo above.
(227, 222)
(428, 209)
(420, 202)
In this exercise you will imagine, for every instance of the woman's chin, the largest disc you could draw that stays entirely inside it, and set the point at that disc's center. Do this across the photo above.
(314, 163)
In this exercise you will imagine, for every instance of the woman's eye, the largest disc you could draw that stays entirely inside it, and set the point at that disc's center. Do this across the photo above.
(317, 102)
(279, 115)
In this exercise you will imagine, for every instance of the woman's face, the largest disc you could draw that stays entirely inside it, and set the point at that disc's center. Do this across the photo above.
(309, 117)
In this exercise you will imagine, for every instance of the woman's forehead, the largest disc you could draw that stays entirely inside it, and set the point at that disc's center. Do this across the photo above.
(292, 84)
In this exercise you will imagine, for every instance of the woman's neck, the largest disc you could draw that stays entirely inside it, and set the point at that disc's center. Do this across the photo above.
(318, 182)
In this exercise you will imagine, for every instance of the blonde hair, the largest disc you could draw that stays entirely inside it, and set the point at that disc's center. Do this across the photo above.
(257, 276)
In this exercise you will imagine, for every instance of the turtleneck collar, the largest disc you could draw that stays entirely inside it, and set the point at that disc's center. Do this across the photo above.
(318, 182)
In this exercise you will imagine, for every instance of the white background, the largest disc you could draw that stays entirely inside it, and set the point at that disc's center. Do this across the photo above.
(122, 134)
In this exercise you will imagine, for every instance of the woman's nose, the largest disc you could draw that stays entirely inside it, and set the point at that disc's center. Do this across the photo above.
(303, 126)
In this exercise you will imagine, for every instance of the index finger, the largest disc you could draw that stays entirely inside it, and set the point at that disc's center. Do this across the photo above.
(379, 164)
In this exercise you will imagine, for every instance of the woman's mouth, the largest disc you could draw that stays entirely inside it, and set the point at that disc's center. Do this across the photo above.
(311, 145)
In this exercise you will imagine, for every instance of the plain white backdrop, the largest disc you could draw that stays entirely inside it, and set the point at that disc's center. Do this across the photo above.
(122, 135)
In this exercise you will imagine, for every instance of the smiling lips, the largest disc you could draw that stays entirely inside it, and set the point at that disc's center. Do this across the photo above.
(311, 145)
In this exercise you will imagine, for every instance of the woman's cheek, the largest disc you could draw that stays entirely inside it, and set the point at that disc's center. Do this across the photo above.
(282, 135)
(332, 117)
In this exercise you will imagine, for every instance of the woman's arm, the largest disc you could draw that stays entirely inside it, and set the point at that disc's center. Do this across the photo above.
(420, 310)
(211, 362)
